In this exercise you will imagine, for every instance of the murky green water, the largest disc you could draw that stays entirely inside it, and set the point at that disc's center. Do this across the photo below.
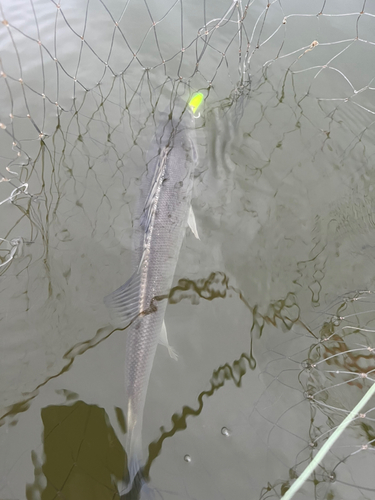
(284, 208)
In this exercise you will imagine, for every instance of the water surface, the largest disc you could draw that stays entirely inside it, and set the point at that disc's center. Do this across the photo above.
(283, 202)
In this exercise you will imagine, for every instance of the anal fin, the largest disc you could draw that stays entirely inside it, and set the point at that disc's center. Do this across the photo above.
(192, 223)
(164, 341)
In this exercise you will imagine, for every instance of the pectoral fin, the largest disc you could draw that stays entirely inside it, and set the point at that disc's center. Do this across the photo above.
(192, 223)
(164, 341)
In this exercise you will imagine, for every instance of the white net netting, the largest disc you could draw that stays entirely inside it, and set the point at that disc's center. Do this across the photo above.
(284, 197)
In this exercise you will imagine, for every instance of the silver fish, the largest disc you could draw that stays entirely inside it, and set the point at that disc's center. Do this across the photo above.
(161, 218)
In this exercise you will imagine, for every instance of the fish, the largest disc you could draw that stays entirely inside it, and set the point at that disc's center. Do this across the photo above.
(160, 219)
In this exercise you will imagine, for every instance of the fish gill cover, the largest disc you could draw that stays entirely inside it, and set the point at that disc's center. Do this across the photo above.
(271, 312)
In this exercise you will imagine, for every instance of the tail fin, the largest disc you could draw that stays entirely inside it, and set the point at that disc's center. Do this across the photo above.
(135, 473)
(137, 484)
(135, 480)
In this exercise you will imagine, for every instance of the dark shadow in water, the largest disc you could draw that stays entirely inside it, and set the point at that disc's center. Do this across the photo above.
(83, 458)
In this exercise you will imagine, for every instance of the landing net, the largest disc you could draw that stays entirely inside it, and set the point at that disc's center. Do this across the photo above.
(286, 170)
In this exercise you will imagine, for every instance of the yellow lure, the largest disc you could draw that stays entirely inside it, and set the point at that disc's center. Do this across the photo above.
(196, 101)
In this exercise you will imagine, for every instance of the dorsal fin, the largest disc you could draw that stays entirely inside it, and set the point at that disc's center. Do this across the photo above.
(125, 300)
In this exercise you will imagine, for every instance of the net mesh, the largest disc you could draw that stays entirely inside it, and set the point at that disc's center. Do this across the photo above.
(289, 89)
(324, 372)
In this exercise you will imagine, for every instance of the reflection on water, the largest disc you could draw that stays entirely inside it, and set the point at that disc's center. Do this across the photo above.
(78, 438)
(274, 339)
(318, 379)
